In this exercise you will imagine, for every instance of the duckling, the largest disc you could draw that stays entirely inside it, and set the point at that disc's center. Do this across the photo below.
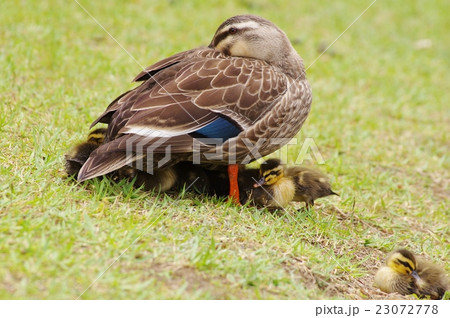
(407, 274)
(433, 281)
(218, 181)
(192, 176)
(278, 185)
(179, 176)
(81, 152)
(246, 179)
(160, 180)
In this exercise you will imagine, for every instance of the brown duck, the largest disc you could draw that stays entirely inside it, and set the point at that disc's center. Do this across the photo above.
(245, 89)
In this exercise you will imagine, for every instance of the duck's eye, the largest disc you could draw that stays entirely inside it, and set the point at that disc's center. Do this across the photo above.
(232, 30)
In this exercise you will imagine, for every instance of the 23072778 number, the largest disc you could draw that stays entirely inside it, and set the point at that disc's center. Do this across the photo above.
(406, 309)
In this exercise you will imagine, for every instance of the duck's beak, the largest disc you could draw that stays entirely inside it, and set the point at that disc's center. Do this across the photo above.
(415, 275)
(259, 183)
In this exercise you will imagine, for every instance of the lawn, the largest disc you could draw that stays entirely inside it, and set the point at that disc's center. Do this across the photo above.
(380, 119)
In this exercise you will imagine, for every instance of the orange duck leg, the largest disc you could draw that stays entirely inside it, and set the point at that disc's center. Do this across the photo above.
(234, 187)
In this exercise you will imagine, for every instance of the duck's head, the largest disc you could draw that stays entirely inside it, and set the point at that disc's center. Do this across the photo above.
(270, 172)
(255, 37)
(403, 262)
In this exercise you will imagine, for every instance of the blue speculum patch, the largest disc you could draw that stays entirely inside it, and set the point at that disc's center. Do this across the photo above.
(220, 128)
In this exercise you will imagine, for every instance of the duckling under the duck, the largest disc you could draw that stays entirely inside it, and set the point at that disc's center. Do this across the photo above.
(279, 184)
(79, 154)
(406, 274)
(183, 175)
(160, 180)
(218, 184)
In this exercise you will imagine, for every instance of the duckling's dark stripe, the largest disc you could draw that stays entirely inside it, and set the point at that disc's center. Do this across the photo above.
(270, 164)
(96, 136)
(406, 264)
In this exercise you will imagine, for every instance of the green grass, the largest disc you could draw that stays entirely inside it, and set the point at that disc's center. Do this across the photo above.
(380, 119)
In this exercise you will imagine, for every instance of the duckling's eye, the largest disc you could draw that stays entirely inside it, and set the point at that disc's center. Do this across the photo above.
(232, 30)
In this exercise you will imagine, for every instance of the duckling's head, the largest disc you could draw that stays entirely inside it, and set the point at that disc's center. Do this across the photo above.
(270, 172)
(97, 136)
(255, 37)
(403, 262)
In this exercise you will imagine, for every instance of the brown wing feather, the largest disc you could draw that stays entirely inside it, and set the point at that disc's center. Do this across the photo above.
(129, 148)
(198, 91)
(164, 63)
(195, 88)
(112, 107)
(147, 75)
(187, 118)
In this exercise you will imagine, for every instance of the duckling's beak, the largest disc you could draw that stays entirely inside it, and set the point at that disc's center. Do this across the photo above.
(415, 275)
(259, 183)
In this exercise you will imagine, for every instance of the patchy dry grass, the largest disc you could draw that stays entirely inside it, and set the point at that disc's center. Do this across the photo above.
(380, 120)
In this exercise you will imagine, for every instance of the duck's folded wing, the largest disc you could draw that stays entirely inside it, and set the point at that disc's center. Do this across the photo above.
(148, 72)
(216, 97)
(130, 148)
(239, 90)
(148, 75)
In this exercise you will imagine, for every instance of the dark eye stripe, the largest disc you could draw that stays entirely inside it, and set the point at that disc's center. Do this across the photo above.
(220, 37)
(271, 173)
(406, 264)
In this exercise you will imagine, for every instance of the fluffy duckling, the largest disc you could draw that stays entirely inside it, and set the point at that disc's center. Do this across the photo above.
(212, 180)
(407, 274)
(218, 181)
(278, 185)
(181, 175)
(160, 180)
(81, 152)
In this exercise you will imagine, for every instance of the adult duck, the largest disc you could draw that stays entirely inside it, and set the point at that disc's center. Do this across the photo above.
(242, 97)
